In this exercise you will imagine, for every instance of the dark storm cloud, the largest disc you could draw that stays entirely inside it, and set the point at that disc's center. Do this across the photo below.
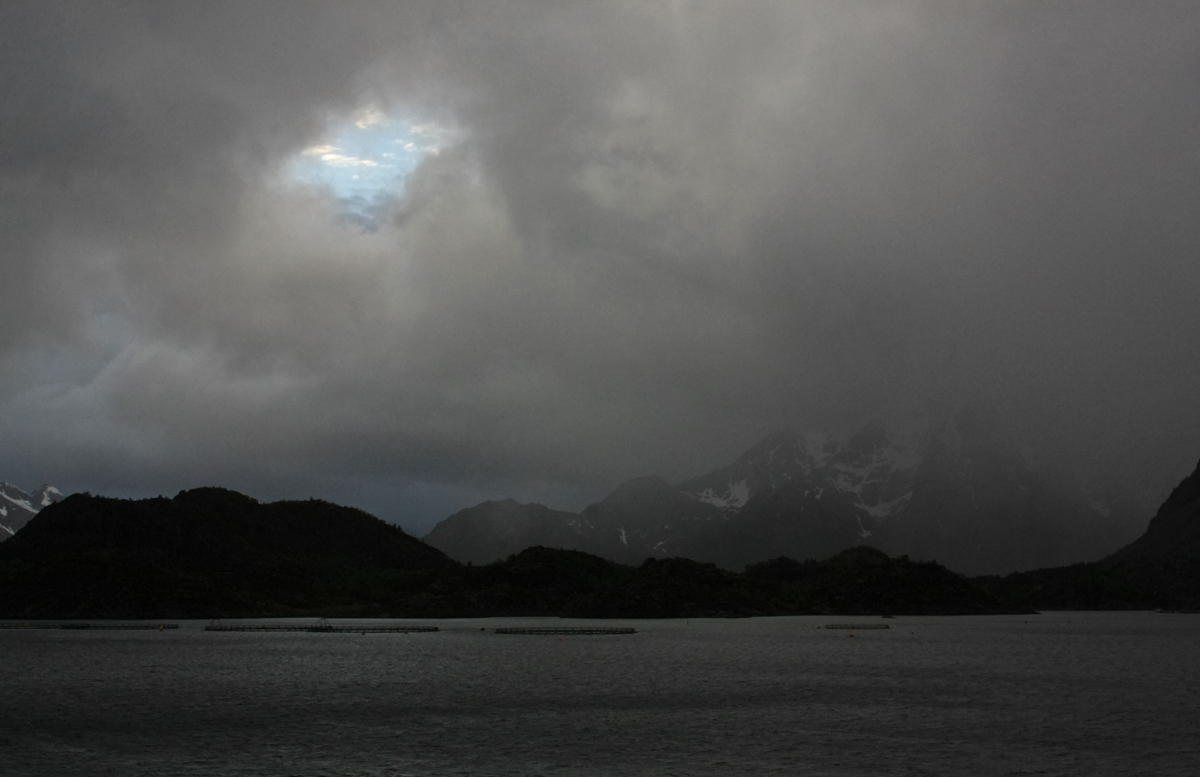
(661, 230)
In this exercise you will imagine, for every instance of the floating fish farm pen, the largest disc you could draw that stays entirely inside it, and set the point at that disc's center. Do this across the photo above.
(93, 626)
(322, 626)
(564, 631)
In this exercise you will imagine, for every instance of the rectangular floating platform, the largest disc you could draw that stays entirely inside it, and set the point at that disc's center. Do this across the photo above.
(566, 631)
(328, 629)
(93, 626)
(857, 626)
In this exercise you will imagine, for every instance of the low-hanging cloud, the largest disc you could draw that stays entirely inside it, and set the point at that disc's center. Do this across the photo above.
(656, 232)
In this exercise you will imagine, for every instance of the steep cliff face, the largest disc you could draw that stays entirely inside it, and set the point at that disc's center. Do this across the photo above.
(1174, 531)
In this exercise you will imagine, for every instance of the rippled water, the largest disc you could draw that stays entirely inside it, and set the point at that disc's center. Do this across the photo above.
(1059, 693)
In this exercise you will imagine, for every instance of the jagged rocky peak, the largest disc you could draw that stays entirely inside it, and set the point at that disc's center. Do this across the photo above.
(17, 506)
(785, 450)
(46, 496)
(875, 468)
(777, 459)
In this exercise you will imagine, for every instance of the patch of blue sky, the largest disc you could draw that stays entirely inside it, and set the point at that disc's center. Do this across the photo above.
(365, 162)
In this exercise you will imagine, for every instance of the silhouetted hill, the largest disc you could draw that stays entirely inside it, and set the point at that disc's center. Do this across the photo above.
(864, 580)
(206, 552)
(545, 581)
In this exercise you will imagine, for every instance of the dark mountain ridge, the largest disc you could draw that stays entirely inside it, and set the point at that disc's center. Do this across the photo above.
(949, 490)
(208, 550)
(215, 553)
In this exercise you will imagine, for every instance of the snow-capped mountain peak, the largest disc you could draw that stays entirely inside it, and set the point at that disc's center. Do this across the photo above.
(47, 495)
(776, 460)
(17, 506)
(945, 488)
(874, 469)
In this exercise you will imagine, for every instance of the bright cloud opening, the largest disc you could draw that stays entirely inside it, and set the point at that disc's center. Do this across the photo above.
(366, 159)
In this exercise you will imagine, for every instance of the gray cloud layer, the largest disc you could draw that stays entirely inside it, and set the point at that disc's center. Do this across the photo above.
(664, 229)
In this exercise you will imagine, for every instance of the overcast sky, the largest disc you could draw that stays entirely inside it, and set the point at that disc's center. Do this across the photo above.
(409, 256)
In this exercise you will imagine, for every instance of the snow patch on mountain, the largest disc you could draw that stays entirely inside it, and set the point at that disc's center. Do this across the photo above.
(22, 503)
(17, 507)
(735, 495)
(50, 495)
(884, 509)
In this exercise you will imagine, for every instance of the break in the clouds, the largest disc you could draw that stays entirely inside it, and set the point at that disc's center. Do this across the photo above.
(407, 256)
(365, 159)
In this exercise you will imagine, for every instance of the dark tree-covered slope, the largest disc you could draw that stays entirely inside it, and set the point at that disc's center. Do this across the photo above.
(546, 581)
(206, 552)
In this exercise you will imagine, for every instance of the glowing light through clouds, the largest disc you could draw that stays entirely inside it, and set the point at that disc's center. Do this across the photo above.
(366, 159)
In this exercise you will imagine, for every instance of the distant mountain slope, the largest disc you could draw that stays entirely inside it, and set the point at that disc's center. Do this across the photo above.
(1160, 569)
(648, 518)
(947, 490)
(1175, 529)
(207, 551)
(494, 530)
(17, 507)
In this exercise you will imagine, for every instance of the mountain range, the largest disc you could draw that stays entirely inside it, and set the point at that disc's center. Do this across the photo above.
(949, 490)
(211, 552)
(17, 507)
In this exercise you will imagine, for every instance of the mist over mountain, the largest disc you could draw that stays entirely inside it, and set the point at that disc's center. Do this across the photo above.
(951, 490)
(415, 256)
(1159, 570)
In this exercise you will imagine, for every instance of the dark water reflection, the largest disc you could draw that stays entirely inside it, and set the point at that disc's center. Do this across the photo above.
(1060, 693)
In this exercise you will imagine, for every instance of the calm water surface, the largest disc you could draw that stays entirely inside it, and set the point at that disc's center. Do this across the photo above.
(1058, 693)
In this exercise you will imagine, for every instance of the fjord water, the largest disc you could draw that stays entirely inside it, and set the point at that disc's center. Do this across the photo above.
(1057, 693)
